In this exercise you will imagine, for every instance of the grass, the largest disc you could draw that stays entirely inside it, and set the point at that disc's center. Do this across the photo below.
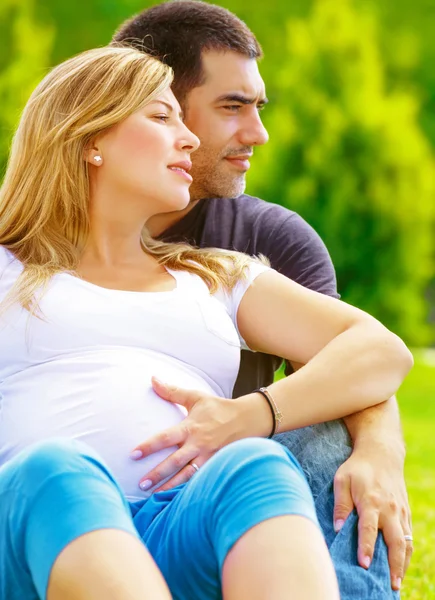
(417, 406)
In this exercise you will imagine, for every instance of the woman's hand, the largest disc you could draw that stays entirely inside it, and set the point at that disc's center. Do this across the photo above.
(212, 422)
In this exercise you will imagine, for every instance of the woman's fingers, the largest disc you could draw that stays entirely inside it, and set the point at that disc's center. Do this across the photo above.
(174, 436)
(182, 476)
(171, 465)
(171, 393)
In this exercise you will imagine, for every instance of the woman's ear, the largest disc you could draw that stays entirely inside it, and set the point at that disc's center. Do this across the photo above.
(93, 156)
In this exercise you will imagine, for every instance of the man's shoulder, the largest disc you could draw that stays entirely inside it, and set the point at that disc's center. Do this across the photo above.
(252, 225)
(250, 206)
(260, 220)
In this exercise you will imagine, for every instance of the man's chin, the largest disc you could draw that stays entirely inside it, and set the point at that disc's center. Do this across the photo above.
(221, 189)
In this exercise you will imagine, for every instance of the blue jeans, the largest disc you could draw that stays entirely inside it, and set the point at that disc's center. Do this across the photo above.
(320, 450)
(57, 490)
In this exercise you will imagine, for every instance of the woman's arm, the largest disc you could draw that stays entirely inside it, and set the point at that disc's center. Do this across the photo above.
(351, 361)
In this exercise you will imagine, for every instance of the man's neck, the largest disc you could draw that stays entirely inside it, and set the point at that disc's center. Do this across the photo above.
(157, 224)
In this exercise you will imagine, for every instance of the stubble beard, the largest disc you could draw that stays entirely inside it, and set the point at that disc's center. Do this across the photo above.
(212, 178)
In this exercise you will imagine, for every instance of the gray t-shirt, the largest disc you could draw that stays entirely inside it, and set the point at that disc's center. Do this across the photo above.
(253, 226)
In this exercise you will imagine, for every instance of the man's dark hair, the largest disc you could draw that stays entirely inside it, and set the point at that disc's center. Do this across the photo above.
(177, 32)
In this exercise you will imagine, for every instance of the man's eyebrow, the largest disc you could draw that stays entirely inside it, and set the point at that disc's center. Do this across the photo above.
(168, 106)
(241, 99)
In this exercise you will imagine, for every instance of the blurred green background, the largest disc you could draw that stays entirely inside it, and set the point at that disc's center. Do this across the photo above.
(352, 128)
(351, 119)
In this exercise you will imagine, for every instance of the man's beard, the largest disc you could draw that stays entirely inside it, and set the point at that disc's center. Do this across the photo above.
(213, 178)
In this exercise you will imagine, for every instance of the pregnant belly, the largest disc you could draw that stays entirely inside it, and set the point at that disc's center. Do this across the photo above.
(106, 401)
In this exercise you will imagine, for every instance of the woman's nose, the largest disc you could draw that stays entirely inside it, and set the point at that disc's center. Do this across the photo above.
(189, 141)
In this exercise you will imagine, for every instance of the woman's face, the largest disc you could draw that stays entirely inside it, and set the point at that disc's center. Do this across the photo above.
(146, 159)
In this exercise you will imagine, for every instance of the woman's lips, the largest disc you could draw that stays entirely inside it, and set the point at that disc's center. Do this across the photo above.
(181, 173)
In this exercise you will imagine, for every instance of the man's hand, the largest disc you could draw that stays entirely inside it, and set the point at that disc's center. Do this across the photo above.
(371, 481)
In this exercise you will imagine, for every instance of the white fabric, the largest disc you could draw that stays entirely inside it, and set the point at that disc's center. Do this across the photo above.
(84, 370)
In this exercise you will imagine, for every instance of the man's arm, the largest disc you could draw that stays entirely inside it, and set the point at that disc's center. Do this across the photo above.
(372, 479)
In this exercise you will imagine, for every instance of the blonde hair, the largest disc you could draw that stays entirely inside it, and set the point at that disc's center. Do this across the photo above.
(44, 217)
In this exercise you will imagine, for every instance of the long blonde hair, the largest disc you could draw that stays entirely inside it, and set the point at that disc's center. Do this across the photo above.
(44, 198)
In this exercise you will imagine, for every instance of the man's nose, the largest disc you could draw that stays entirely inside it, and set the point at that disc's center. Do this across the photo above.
(254, 132)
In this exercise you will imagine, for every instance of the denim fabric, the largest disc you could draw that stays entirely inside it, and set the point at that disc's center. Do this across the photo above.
(320, 450)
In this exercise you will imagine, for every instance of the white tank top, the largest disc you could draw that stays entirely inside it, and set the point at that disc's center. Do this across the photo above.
(84, 371)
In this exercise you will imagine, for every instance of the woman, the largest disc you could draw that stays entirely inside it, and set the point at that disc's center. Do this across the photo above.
(94, 314)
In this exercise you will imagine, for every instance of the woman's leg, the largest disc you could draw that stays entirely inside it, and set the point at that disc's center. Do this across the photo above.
(112, 565)
(65, 526)
(281, 558)
(245, 527)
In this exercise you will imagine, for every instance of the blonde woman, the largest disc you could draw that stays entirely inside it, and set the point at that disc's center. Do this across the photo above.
(95, 315)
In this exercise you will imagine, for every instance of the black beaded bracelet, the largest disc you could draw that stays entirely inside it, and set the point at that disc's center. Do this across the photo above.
(276, 414)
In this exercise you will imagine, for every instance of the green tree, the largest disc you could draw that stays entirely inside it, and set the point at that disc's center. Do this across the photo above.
(24, 57)
(350, 157)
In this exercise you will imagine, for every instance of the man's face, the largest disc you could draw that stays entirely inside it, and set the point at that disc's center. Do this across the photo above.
(224, 114)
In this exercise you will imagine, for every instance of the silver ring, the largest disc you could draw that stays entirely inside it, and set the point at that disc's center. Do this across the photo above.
(195, 466)
(408, 538)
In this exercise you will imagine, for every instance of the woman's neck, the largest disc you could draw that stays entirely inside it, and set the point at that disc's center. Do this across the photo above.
(115, 231)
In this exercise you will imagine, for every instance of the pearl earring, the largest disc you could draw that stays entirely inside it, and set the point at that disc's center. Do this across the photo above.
(97, 159)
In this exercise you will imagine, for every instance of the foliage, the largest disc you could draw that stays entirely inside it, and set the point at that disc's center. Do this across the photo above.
(350, 157)
(22, 64)
(351, 123)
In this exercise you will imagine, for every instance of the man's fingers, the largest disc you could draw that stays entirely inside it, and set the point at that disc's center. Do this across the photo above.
(368, 525)
(183, 476)
(343, 502)
(409, 549)
(171, 465)
(166, 439)
(394, 537)
(407, 529)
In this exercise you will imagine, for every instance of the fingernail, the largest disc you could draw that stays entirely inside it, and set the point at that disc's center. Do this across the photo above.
(157, 380)
(145, 484)
(338, 525)
(136, 454)
(366, 562)
(398, 583)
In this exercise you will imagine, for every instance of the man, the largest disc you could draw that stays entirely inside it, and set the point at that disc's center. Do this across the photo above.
(218, 84)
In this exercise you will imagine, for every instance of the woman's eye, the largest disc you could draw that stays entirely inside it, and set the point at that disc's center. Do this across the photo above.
(163, 118)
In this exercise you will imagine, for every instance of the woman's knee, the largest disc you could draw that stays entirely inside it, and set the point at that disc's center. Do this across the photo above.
(49, 458)
(254, 462)
(257, 450)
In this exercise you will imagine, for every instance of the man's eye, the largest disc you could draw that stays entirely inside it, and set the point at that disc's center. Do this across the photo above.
(232, 107)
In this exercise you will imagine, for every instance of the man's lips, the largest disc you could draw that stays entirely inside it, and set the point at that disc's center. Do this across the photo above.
(240, 162)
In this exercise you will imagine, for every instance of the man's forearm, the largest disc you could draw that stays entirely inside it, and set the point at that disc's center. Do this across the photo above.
(380, 423)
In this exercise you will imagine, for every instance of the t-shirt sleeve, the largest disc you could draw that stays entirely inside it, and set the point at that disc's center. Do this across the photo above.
(6, 258)
(232, 299)
(296, 250)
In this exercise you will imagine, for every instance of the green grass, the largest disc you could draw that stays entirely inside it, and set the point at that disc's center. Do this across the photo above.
(417, 406)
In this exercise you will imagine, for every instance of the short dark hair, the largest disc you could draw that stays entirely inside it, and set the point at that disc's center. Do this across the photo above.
(179, 31)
